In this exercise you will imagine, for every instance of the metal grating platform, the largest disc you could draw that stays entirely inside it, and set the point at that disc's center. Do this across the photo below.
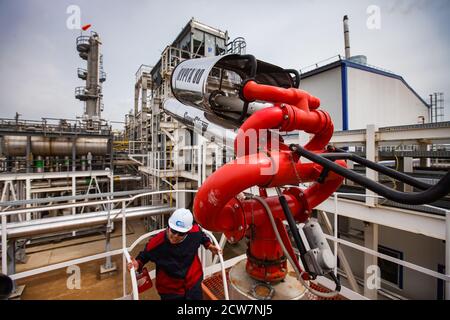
(213, 289)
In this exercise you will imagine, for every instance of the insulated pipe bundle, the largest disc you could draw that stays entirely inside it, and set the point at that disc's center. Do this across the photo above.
(14, 146)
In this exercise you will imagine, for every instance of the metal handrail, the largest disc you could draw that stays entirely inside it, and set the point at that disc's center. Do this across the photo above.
(334, 238)
(102, 76)
(81, 91)
(4, 232)
(82, 40)
(91, 203)
(81, 71)
(132, 275)
(318, 64)
(238, 46)
(125, 250)
(222, 264)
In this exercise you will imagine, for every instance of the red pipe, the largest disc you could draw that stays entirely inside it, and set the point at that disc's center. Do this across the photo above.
(301, 99)
(216, 206)
(299, 114)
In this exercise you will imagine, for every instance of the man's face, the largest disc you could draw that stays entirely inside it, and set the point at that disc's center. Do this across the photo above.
(175, 236)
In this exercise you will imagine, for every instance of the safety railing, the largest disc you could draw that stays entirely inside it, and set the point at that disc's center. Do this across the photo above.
(124, 251)
(136, 148)
(102, 76)
(172, 56)
(192, 162)
(50, 126)
(320, 64)
(338, 58)
(338, 241)
(143, 68)
(82, 73)
(82, 43)
(237, 46)
(334, 237)
(134, 285)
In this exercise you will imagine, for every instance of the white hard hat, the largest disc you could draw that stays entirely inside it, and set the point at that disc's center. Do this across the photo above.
(181, 220)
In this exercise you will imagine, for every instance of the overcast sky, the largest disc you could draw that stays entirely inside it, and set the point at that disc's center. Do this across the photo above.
(38, 60)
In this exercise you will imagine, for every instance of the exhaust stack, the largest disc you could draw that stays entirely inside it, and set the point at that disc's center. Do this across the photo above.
(346, 38)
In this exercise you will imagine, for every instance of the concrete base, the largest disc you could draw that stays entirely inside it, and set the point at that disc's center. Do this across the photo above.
(105, 271)
(15, 295)
(243, 287)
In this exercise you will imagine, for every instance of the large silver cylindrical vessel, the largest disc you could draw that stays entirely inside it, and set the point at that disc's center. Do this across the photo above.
(14, 146)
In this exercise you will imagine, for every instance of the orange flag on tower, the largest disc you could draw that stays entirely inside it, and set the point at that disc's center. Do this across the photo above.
(85, 27)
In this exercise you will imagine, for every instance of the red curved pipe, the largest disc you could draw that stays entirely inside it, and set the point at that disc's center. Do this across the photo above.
(216, 206)
(295, 110)
(301, 99)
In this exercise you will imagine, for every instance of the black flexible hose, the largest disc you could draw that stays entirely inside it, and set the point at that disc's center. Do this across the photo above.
(297, 77)
(253, 63)
(336, 281)
(293, 227)
(342, 154)
(441, 189)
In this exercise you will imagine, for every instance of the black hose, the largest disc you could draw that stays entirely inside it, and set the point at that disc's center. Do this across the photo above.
(297, 77)
(244, 113)
(441, 189)
(342, 154)
(294, 230)
(253, 68)
(336, 281)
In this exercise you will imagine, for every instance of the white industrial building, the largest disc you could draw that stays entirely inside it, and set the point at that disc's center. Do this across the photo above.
(356, 94)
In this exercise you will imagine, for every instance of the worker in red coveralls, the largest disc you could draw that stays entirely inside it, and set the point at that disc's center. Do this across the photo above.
(179, 272)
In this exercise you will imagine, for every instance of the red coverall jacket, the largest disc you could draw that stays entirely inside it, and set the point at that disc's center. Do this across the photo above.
(178, 266)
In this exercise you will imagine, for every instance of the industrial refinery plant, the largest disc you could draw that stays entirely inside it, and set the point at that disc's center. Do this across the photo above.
(326, 182)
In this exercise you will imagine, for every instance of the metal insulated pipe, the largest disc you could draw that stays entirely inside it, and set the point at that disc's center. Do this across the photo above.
(84, 181)
(46, 146)
(195, 119)
(71, 222)
(346, 38)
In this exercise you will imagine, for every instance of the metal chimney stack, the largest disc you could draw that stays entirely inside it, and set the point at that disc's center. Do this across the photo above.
(89, 50)
(346, 38)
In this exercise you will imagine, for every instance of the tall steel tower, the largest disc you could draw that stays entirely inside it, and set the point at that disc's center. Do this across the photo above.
(89, 50)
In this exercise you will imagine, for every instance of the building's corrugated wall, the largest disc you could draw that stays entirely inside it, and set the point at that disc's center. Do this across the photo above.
(327, 86)
(381, 100)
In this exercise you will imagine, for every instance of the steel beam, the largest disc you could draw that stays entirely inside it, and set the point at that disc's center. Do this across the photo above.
(434, 132)
(53, 175)
(430, 225)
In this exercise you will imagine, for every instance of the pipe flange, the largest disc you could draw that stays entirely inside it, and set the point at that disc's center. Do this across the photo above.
(239, 220)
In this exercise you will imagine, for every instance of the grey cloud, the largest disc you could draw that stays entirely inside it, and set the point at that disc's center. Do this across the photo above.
(38, 66)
